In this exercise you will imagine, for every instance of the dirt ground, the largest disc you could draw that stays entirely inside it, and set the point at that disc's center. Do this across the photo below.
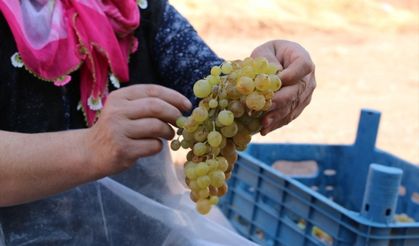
(366, 55)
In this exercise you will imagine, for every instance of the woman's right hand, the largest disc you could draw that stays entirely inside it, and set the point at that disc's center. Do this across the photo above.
(131, 124)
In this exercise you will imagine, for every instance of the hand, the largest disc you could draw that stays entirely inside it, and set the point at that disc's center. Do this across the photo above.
(130, 125)
(298, 81)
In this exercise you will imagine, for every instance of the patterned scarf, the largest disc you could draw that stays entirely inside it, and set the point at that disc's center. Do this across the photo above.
(57, 37)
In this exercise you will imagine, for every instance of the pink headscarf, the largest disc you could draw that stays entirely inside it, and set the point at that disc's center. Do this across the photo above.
(56, 37)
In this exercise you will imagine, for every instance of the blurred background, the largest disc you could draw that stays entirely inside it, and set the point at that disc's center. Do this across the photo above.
(366, 54)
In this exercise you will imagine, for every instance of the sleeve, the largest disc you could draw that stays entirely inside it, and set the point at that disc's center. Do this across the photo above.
(182, 57)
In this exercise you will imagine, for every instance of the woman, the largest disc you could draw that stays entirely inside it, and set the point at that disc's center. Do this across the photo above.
(60, 61)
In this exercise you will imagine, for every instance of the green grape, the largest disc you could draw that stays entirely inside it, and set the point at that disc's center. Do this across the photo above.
(222, 163)
(223, 103)
(193, 185)
(267, 106)
(272, 69)
(248, 72)
(237, 108)
(226, 68)
(212, 164)
(260, 64)
(215, 150)
(197, 159)
(201, 168)
(199, 114)
(217, 178)
(194, 196)
(245, 85)
(214, 138)
(262, 82)
(203, 206)
(226, 117)
(213, 200)
(181, 121)
(203, 193)
(200, 149)
(202, 88)
(190, 173)
(186, 144)
(215, 71)
(203, 181)
(241, 147)
(188, 135)
(254, 101)
(223, 143)
(275, 82)
(201, 134)
(232, 92)
(175, 144)
(213, 103)
(213, 80)
(229, 131)
(191, 125)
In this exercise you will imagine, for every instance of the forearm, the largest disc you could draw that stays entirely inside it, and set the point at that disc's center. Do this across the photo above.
(33, 166)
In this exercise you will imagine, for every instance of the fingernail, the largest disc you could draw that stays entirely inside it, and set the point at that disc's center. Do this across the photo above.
(187, 104)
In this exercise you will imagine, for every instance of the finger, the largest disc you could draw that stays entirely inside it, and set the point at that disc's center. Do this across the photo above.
(297, 70)
(152, 107)
(173, 97)
(145, 147)
(274, 118)
(148, 128)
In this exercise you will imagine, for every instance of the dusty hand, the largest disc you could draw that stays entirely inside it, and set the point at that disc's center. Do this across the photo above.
(130, 125)
(298, 81)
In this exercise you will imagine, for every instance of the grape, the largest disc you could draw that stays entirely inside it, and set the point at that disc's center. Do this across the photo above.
(214, 139)
(262, 82)
(233, 98)
(181, 121)
(226, 68)
(275, 82)
(199, 114)
(255, 101)
(200, 149)
(204, 193)
(201, 169)
(217, 178)
(222, 190)
(203, 181)
(203, 206)
(212, 164)
(226, 117)
(245, 85)
(214, 200)
(201, 134)
(175, 144)
(202, 88)
(229, 131)
(213, 103)
(223, 103)
(237, 108)
(215, 71)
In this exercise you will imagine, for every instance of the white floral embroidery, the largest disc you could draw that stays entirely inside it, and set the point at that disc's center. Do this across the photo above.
(16, 60)
(142, 3)
(94, 104)
(79, 106)
(114, 81)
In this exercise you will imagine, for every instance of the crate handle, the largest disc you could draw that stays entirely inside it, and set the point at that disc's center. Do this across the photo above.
(366, 135)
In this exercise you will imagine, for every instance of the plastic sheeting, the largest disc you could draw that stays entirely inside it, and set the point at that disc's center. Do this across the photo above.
(146, 205)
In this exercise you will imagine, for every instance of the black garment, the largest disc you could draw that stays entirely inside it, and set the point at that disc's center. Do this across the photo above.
(30, 105)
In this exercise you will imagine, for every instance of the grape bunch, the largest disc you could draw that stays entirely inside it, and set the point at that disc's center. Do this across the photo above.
(232, 100)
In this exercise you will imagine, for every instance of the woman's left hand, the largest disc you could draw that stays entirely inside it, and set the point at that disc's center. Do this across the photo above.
(298, 82)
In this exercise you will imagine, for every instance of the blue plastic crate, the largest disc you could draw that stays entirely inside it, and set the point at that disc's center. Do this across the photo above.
(271, 208)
